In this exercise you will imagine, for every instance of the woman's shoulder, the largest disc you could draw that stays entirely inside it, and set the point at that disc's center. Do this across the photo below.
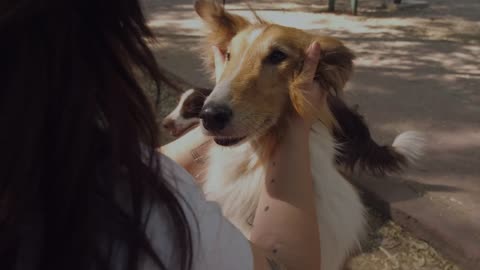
(176, 175)
(217, 244)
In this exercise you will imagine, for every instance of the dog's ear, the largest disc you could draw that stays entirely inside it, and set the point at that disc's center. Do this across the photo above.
(335, 67)
(221, 26)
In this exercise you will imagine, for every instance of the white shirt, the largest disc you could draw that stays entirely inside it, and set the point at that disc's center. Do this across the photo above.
(217, 244)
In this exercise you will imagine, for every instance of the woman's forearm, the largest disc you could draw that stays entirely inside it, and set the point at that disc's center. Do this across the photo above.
(285, 222)
(189, 151)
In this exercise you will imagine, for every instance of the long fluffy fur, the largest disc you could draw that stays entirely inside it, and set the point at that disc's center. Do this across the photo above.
(410, 144)
(356, 147)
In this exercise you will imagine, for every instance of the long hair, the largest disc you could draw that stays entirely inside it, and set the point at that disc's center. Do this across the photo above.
(75, 124)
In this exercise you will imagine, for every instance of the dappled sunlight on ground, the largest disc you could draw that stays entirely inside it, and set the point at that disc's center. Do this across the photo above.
(390, 247)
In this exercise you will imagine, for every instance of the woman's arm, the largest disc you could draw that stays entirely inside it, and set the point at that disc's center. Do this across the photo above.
(285, 225)
(189, 151)
(285, 230)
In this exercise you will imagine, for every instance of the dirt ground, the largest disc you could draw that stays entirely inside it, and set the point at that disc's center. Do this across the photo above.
(427, 57)
(389, 247)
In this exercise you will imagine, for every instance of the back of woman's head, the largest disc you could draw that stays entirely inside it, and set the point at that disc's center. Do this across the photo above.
(74, 127)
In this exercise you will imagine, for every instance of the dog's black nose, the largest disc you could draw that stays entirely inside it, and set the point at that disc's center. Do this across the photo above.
(215, 117)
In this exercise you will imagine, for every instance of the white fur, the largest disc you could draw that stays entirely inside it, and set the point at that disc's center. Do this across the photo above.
(237, 194)
(341, 214)
(175, 114)
(410, 144)
(340, 211)
(254, 35)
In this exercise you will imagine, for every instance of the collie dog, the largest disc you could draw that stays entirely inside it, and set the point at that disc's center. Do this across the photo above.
(246, 111)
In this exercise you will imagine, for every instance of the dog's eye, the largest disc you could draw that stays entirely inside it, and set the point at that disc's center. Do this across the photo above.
(227, 56)
(276, 57)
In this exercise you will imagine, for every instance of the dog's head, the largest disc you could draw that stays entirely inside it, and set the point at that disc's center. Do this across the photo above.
(258, 85)
(185, 115)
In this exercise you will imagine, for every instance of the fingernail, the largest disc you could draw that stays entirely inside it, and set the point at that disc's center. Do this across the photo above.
(310, 47)
(315, 48)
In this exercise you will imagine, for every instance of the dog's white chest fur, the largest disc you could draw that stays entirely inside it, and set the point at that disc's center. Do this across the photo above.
(235, 183)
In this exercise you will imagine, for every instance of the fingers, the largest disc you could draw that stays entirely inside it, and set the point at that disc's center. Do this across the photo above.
(311, 60)
(219, 61)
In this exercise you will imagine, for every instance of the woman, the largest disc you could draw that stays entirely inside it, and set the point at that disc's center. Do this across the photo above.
(81, 184)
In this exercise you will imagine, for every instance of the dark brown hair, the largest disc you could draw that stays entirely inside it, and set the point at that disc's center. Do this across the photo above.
(75, 124)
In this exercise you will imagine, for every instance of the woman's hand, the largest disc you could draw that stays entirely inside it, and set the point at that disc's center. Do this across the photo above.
(285, 224)
(311, 91)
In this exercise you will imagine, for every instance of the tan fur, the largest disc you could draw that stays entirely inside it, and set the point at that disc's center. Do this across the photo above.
(221, 27)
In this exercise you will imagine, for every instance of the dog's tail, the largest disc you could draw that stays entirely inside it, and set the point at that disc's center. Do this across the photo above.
(410, 145)
(376, 159)
(358, 149)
